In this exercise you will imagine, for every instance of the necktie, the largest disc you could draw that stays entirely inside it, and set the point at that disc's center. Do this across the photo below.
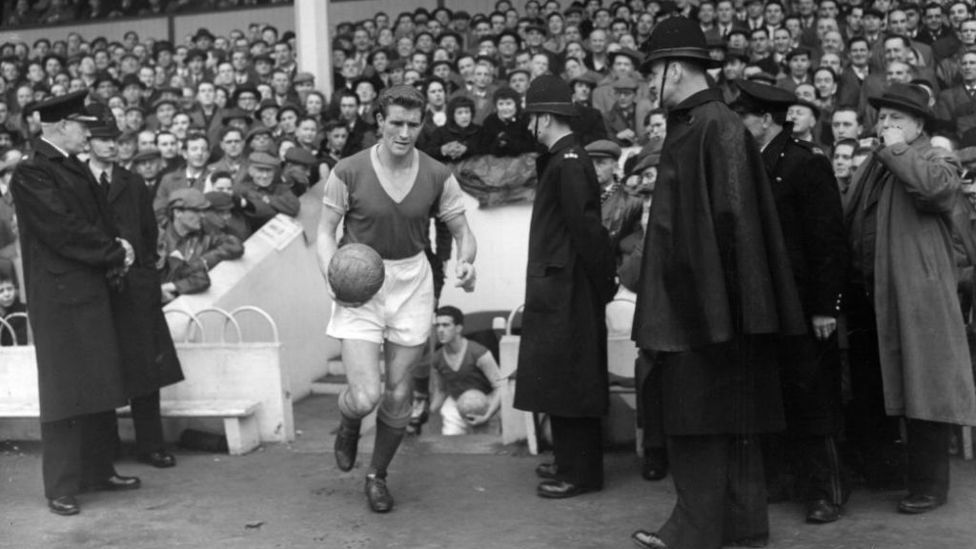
(103, 181)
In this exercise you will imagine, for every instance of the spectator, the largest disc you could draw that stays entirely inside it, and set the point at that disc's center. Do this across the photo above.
(188, 248)
(263, 194)
(625, 121)
(196, 151)
(504, 132)
(460, 137)
(232, 159)
(14, 329)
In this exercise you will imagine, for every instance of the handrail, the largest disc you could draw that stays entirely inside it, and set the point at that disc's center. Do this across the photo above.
(511, 318)
(228, 319)
(262, 313)
(30, 333)
(193, 320)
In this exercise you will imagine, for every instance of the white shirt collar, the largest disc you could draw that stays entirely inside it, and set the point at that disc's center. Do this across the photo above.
(57, 148)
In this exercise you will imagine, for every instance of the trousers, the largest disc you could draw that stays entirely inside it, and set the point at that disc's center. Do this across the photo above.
(77, 451)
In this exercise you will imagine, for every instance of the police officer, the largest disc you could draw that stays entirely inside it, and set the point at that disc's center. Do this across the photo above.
(809, 206)
(562, 368)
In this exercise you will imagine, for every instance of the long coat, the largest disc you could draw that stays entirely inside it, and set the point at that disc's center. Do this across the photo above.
(925, 361)
(811, 216)
(69, 247)
(562, 366)
(715, 286)
(149, 359)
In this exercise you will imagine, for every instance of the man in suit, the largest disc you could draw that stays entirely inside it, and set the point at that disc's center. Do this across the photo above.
(196, 151)
(808, 202)
(73, 260)
(562, 369)
(149, 359)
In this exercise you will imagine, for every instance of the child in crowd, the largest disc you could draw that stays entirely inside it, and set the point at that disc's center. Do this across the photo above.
(336, 137)
(10, 304)
(505, 132)
(460, 137)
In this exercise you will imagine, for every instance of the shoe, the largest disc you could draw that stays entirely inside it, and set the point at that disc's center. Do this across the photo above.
(915, 504)
(647, 540)
(546, 471)
(655, 465)
(158, 459)
(378, 495)
(114, 483)
(346, 446)
(559, 489)
(64, 506)
(822, 511)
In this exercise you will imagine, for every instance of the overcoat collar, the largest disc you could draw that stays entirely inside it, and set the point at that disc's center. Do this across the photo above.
(696, 99)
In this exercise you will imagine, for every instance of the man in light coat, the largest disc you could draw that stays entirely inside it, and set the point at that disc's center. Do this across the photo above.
(909, 355)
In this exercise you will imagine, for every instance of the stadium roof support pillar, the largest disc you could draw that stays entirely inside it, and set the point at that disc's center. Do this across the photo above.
(314, 41)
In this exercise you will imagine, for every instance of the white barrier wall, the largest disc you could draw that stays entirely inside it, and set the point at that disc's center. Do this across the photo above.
(278, 274)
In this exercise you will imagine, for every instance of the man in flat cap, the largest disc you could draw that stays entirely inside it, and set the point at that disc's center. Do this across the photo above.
(263, 194)
(714, 293)
(562, 366)
(808, 202)
(149, 359)
(620, 211)
(908, 350)
(625, 120)
(188, 247)
(73, 260)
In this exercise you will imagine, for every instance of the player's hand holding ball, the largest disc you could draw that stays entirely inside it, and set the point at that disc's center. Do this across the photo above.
(466, 276)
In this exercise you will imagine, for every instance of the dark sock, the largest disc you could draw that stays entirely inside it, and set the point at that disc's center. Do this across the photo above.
(350, 424)
(387, 441)
(421, 386)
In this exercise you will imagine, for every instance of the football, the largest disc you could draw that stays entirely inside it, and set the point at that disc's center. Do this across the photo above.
(356, 273)
(472, 403)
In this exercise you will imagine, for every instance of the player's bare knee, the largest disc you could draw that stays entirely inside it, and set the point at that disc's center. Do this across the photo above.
(363, 400)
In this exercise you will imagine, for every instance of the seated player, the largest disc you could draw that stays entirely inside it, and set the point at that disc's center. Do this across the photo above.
(459, 367)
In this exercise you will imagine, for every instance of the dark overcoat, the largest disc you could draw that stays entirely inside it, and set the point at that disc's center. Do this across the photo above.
(68, 245)
(562, 366)
(715, 286)
(149, 359)
(812, 218)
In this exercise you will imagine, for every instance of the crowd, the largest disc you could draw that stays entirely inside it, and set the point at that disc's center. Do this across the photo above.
(227, 132)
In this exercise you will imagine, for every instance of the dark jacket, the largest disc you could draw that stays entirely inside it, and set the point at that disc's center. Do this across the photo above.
(186, 260)
(69, 247)
(149, 360)
(589, 125)
(562, 366)
(17, 332)
(470, 137)
(505, 138)
(810, 214)
(263, 203)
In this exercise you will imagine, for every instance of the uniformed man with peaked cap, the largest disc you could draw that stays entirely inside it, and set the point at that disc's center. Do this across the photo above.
(810, 214)
(562, 367)
(73, 260)
(714, 293)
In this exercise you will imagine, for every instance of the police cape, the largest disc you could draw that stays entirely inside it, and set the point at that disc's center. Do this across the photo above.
(715, 286)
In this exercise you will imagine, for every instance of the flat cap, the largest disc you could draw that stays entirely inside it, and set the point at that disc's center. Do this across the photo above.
(220, 201)
(146, 155)
(188, 199)
(303, 78)
(299, 155)
(263, 160)
(603, 148)
(256, 131)
(232, 114)
(624, 83)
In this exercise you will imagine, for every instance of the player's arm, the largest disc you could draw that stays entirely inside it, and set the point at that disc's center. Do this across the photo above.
(437, 394)
(451, 212)
(486, 363)
(325, 243)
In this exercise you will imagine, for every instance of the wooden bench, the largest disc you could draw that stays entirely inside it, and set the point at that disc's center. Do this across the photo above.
(240, 421)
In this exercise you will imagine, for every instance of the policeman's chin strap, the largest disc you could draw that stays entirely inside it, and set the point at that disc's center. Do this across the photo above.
(664, 80)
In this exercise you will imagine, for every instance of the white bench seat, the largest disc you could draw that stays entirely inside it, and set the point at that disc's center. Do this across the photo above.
(240, 419)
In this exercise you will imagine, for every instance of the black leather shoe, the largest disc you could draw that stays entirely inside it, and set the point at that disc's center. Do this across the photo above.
(64, 506)
(378, 495)
(546, 470)
(822, 511)
(346, 446)
(114, 483)
(915, 504)
(647, 540)
(655, 465)
(558, 489)
(158, 459)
